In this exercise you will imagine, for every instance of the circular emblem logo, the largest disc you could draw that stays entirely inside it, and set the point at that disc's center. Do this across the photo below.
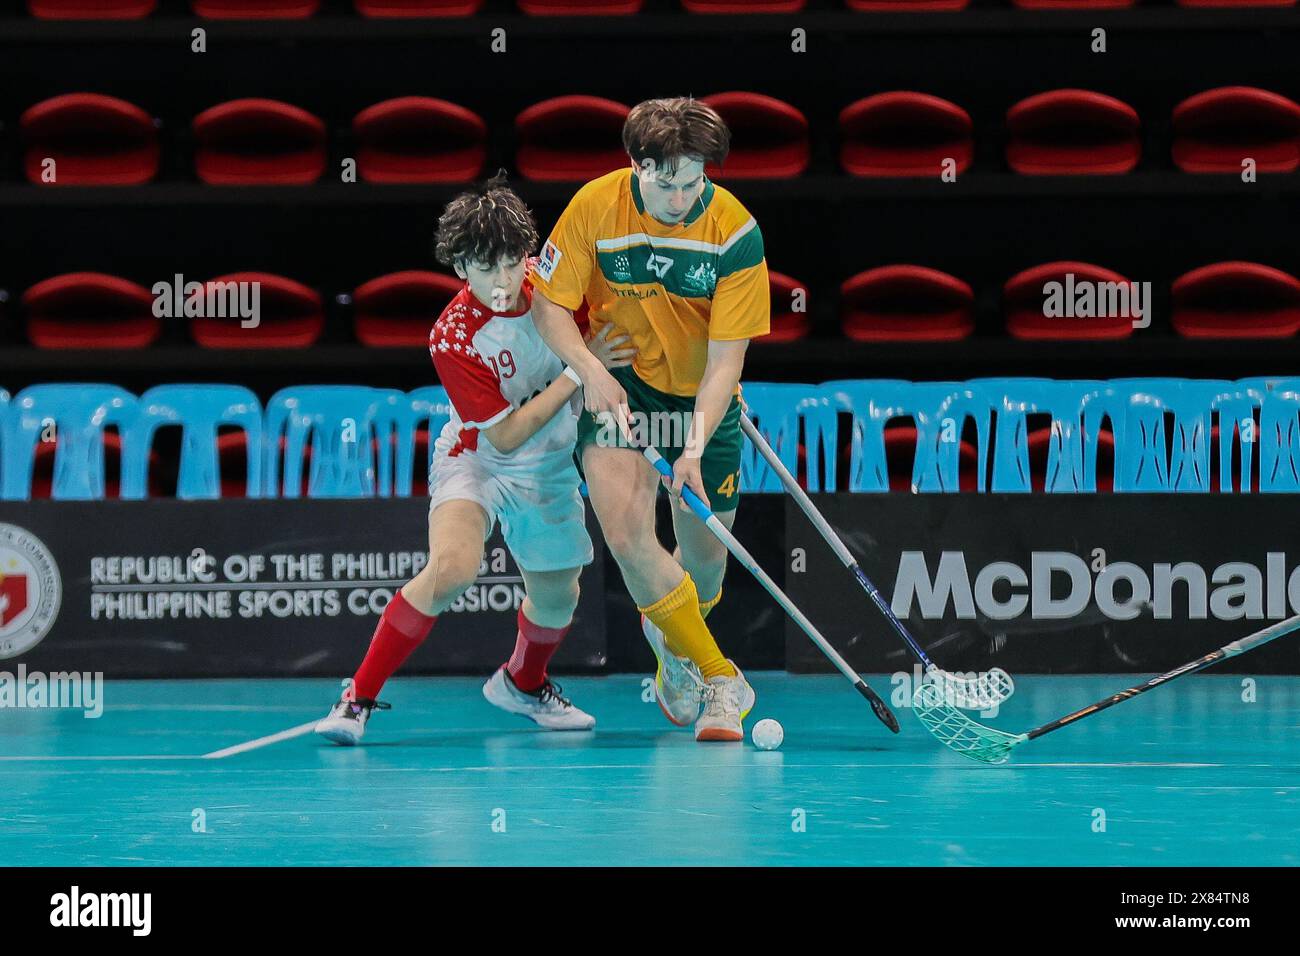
(30, 590)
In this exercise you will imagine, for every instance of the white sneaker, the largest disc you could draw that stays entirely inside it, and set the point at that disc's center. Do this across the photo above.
(727, 703)
(347, 719)
(544, 707)
(679, 688)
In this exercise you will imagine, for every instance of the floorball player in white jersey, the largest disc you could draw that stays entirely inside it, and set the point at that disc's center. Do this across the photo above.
(506, 455)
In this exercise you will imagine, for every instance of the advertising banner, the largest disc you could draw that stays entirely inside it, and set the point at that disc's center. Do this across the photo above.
(1048, 583)
(248, 588)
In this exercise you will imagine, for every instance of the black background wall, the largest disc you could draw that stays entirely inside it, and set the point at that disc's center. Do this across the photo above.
(1151, 225)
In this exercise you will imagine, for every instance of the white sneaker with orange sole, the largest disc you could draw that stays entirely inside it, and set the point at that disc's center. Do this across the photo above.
(727, 702)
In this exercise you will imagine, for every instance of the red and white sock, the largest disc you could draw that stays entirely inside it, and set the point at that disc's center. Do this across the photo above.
(533, 649)
(400, 631)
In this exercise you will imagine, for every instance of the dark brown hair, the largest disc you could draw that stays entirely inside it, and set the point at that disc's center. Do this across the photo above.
(486, 224)
(666, 130)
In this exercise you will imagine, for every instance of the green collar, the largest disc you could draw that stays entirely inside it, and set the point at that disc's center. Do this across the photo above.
(697, 210)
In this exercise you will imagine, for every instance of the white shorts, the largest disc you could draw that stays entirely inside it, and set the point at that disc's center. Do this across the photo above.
(542, 515)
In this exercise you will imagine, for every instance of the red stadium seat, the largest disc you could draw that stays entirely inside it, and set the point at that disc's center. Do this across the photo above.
(1215, 130)
(418, 139)
(590, 8)
(1072, 132)
(93, 140)
(902, 133)
(255, 9)
(1238, 300)
(389, 9)
(258, 142)
(1024, 297)
(1236, 3)
(906, 303)
(769, 138)
(90, 310)
(290, 316)
(744, 6)
(788, 325)
(570, 138)
(904, 6)
(399, 309)
(91, 9)
(1074, 4)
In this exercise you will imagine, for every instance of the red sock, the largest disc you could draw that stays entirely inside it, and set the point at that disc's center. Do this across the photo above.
(533, 650)
(401, 630)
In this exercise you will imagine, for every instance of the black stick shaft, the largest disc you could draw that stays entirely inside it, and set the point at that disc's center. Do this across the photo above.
(1228, 650)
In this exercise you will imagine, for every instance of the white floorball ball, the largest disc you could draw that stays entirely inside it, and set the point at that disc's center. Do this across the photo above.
(767, 734)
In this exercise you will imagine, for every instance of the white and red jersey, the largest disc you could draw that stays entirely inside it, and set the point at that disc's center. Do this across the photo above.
(492, 363)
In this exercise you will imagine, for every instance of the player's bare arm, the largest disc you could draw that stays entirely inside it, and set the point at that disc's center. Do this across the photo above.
(608, 346)
(601, 392)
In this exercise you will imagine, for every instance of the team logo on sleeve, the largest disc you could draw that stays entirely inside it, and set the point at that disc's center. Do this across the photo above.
(548, 260)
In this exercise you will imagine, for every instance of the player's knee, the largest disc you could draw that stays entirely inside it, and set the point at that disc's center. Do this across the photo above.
(627, 541)
(712, 553)
(555, 598)
(565, 601)
(450, 573)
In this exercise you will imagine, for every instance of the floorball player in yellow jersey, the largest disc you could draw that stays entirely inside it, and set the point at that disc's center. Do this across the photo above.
(675, 262)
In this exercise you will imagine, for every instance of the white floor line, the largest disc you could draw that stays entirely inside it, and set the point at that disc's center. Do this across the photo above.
(262, 741)
(58, 757)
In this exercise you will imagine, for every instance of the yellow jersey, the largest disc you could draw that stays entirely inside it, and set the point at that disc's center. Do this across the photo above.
(671, 288)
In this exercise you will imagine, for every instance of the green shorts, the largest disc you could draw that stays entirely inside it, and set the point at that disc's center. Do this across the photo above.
(720, 465)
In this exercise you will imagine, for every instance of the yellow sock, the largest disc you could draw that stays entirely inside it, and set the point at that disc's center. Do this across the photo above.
(678, 615)
(709, 605)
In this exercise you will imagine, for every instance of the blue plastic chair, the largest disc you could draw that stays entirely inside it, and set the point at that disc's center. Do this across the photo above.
(339, 422)
(938, 411)
(199, 410)
(1258, 388)
(1142, 458)
(779, 411)
(1077, 409)
(1265, 383)
(428, 404)
(1152, 460)
(1014, 399)
(1199, 404)
(1279, 446)
(80, 412)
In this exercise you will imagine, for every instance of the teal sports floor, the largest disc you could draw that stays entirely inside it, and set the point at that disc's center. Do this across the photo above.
(1189, 774)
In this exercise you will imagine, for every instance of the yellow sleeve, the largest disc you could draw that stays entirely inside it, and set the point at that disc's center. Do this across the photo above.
(564, 267)
(742, 305)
